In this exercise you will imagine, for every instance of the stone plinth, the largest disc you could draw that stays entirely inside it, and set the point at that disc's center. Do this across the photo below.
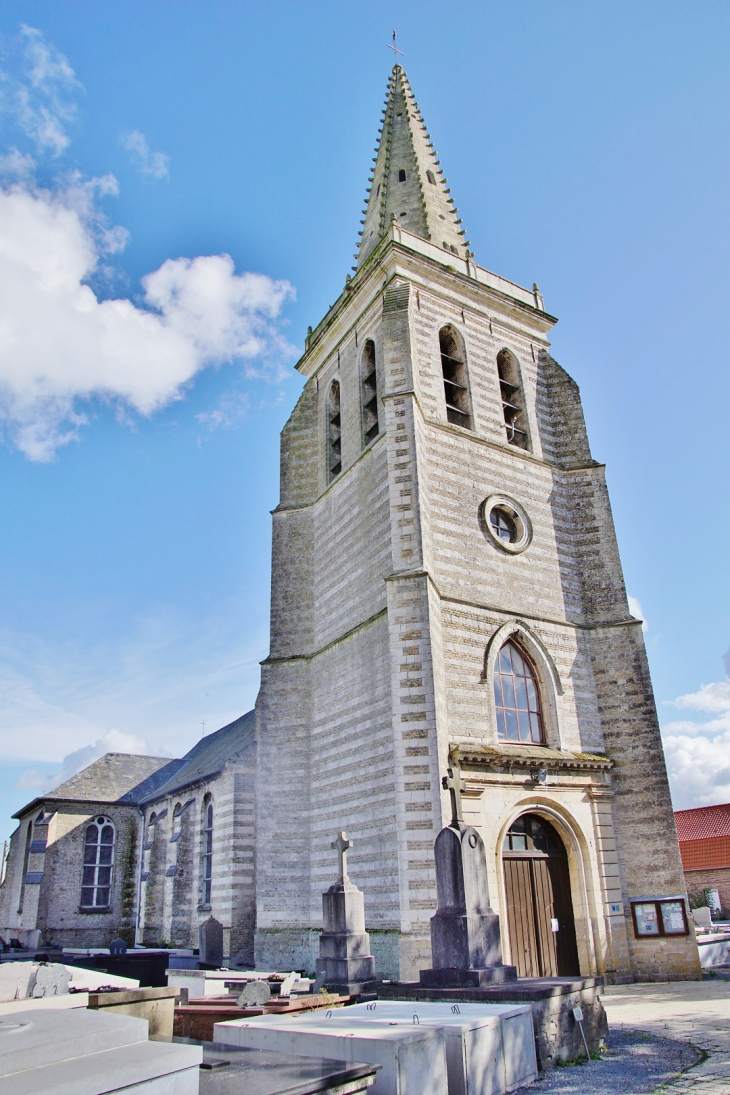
(466, 944)
(344, 945)
(345, 964)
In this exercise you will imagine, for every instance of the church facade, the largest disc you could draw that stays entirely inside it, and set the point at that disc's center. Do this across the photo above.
(446, 592)
(447, 586)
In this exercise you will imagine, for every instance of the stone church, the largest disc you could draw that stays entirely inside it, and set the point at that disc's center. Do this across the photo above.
(446, 588)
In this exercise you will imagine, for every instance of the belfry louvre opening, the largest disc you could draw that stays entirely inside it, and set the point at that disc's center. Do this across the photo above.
(512, 402)
(456, 388)
(370, 424)
(334, 432)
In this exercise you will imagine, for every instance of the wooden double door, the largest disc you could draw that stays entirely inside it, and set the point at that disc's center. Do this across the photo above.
(540, 918)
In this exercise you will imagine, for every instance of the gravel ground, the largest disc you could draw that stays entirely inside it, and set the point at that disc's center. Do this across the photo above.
(636, 1064)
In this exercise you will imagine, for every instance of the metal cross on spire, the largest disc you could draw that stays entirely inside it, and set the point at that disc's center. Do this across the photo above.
(394, 47)
(340, 846)
(454, 784)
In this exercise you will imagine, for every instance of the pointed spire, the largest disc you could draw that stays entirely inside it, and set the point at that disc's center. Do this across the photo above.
(407, 182)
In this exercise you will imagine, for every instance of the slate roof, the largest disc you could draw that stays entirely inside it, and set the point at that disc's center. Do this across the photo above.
(113, 778)
(703, 822)
(209, 756)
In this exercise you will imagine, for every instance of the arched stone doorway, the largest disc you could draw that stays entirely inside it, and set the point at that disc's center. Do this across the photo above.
(540, 918)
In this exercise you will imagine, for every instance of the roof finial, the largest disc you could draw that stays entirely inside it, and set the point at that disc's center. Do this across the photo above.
(395, 49)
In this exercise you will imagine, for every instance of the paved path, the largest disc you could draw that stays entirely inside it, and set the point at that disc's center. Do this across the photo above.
(690, 1011)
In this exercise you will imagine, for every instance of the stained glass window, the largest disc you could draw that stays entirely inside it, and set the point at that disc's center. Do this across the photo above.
(517, 697)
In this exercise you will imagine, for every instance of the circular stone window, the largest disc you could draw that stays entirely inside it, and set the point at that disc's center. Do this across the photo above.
(507, 523)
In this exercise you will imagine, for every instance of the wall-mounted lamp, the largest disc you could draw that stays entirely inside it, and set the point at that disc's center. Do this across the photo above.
(538, 775)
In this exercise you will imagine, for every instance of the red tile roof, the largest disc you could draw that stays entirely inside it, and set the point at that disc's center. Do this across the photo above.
(703, 822)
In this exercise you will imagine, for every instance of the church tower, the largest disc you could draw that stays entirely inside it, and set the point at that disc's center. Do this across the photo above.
(446, 584)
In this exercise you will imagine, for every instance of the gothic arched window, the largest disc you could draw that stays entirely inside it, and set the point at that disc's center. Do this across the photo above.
(370, 426)
(512, 401)
(334, 432)
(206, 872)
(456, 388)
(98, 862)
(517, 697)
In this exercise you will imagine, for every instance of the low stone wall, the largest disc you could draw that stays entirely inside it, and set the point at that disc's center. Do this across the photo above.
(557, 1034)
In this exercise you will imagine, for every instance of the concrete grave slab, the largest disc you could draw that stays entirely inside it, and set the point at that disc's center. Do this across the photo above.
(81, 1052)
(412, 1059)
(490, 1047)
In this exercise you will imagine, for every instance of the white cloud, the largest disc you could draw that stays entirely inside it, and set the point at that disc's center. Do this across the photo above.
(230, 410)
(41, 102)
(156, 681)
(60, 344)
(154, 164)
(698, 750)
(114, 741)
(637, 611)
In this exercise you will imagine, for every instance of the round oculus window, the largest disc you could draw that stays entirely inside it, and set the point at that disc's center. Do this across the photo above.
(507, 523)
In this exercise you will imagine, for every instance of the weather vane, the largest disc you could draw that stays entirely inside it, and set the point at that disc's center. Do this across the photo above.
(394, 47)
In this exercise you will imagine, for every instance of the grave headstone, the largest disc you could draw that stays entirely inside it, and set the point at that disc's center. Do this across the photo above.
(254, 995)
(51, 980)
(344, 945)
(288, 983)
(466, 945)
(210, 935)
(702, 917)
(117, 946)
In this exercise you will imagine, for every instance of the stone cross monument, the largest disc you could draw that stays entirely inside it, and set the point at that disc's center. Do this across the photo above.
(466, 946)
(345, 962)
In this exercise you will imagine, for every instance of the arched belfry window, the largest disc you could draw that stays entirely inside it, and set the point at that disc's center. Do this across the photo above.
(206, 865)
(370, 426)
(517, 697)
(334, 432)
(513, 406)
(98, 863)
(456, 388)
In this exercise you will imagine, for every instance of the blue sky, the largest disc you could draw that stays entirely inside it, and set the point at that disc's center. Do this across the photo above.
(587, 149)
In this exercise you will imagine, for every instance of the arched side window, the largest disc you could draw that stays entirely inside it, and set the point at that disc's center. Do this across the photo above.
(517, 697)
(456, 388)
(370, 425)
(334, 432)
(513, 407)
(98, 863)
(206, 872)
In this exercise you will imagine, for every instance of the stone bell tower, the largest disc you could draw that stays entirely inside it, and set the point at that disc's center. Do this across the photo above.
(443, 531)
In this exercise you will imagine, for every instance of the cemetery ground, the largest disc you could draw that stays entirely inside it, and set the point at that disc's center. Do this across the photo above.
(672, 1038)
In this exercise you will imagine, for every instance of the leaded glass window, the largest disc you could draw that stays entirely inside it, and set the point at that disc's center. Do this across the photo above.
(207, 864)
(98, 863)
(517, 697)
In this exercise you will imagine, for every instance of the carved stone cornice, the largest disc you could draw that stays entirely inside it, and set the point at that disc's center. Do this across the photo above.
(511, 757)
